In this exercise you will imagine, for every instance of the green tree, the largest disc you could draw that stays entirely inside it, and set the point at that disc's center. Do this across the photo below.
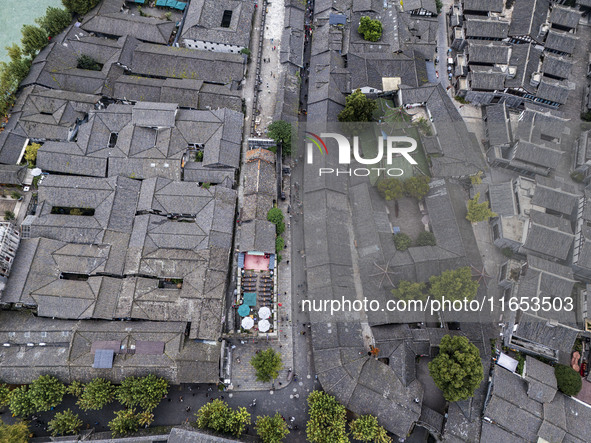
(275, 215)
(417, 187)
(54, 21)
(145, 392)
(426, 238)
(96, 395)
(568, 380)
(327, 419)
(366, 428)
(438, 5)
(402, 241)
(214, 415)
(31, 154)
(46, 392)
(280, 131)
(88, 63)
(75, 388)
(478, 212)
(237, 422)
(145, 418)
(65, 423)
(271, 429)
(9, 215)
(15, 433)
(457, 369)
(125, 422)
(4, 395)
(20, 402)
(391, 188)
(370, 30)
(33, 39)
(279, 244)
(407, 290)
(267, 364)
(217, 415)
(79, 6)
(358, 108)
(455, 284)
(11, 74)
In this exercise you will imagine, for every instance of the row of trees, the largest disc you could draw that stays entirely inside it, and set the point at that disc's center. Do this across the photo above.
(275, 216)
(393, 188)
(34, 38)
(454, 284)
(403, 241)
(46, 392)
(328, 423)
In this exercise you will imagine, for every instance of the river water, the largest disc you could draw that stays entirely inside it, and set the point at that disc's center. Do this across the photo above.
(16, 13)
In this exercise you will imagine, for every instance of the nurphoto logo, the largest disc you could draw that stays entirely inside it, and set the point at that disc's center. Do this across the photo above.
(395, 146)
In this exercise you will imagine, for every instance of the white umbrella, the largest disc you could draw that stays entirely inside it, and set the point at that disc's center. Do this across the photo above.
(264, 325)
(264, 312)
(247, 322)
(36, 172)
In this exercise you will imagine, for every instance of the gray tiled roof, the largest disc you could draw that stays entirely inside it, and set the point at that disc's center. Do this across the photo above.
(204, 18)
(502, 199)
(558, 66)
(486, 28)
(257, 235)
(528, 17)
(536, 154)
(147, 29)
(541, 380)
(498, 126)
(168, 61)
(483, 5)
(563, 16)
(561, 41)
(488, 52)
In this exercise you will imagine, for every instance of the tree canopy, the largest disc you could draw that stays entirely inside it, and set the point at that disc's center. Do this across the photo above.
(275, 216)
(358, 108)
(271, 429)
(417, 187)
(267, 364)
(79, 6)
(31, 154)
(457, 369)
(64, 423)
(280, 131)
(426, 238)
(54, 21)
(454, 284)
(407, 290)
(96, 394)
(15, 433)
(371, 30)
(217, 415)
(126, 421)
(327, 422)
(391, 188)
(20, 402)
(366, 428)
(46, 392)
(33, 39)
(402, 241)
(478, 212)
(145, 392)
(568, 380)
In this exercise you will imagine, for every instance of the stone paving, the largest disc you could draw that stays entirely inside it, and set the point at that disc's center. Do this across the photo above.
(243, 374)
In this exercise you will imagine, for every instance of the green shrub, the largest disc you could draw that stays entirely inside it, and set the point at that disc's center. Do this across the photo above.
(371, 30)
(402, 241)
(426, 239)
(568, 380)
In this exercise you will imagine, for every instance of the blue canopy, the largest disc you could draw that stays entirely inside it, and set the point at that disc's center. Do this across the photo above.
(243, 310)
(250, 298)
